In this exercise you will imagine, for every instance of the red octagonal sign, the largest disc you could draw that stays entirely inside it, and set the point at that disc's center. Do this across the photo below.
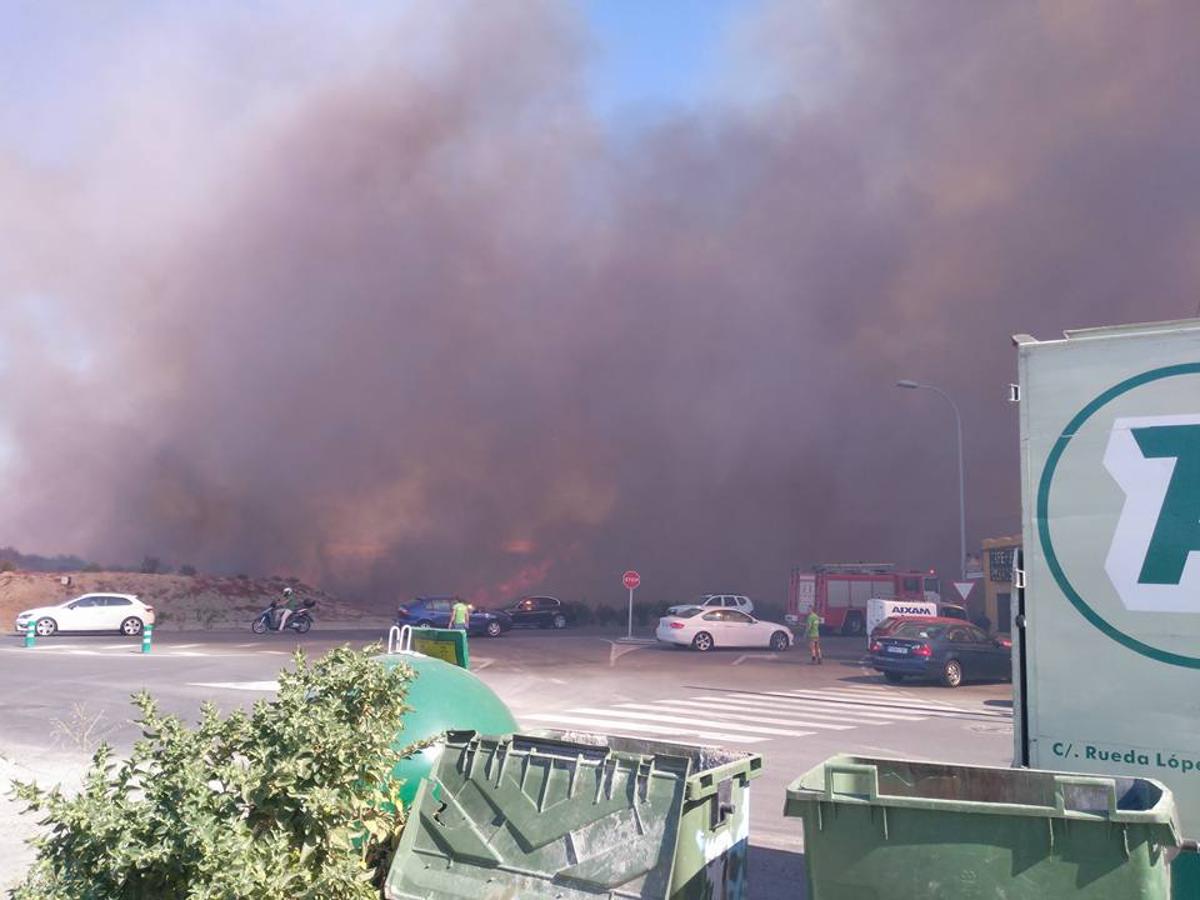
(631, 579)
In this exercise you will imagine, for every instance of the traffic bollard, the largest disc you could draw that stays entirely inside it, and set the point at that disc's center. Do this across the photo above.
(147, 633)
(31, 633)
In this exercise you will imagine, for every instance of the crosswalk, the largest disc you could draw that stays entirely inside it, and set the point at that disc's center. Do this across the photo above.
(753, 717)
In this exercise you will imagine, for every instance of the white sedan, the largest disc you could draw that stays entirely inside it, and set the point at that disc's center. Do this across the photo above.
(123, 613)
(704, 629)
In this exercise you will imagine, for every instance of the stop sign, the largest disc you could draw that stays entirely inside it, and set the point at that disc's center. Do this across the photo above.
(631, 579)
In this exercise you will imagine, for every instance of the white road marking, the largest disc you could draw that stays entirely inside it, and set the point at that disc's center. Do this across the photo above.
(745, 656)
(617, 726)
(690, 706)
(639, 711)
(237, 685)
(810, 707)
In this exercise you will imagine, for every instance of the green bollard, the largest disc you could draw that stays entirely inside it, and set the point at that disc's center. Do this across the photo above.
(31, 633)
(147, 633)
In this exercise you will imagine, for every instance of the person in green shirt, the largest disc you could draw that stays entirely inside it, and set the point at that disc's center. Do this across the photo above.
(812, 628)
(460, 614)
(288, 607)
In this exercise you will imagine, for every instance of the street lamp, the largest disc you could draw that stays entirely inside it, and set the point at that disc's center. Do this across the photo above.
(962, 505)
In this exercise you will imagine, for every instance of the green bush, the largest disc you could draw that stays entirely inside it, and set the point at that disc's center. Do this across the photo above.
(7, 565)
(289, 799)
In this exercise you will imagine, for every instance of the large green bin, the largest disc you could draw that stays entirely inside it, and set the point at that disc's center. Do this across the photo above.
(569, 815)
(897, 829)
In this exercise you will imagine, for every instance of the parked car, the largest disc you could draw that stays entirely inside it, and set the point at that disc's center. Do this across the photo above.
(948, 650)
(543, 612)
(434, 611)
(123, 613)
(717, 601)
(703, 628)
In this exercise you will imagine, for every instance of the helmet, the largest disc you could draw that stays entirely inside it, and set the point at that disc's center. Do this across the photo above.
(287, 592)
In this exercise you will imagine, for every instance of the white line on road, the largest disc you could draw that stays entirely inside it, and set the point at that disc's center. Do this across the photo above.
(693, 706)
(809, 707)
(237, 685)
(745, 656)
(617, 726)
(927, 707)
(637, 711)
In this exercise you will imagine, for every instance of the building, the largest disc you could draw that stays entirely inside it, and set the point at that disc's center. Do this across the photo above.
(999, 559)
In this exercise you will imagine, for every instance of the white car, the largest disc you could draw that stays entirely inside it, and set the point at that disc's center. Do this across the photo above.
(123, 613)
(716, 601)
(702, 629)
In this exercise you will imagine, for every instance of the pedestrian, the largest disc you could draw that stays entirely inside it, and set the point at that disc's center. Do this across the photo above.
(460, 614)
(812, 628)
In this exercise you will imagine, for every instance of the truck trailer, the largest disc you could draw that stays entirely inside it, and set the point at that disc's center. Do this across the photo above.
(839, 592)
(1106, 628)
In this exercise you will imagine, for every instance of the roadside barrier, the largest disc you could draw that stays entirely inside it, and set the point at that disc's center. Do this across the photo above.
(31, 633)
(147, 634)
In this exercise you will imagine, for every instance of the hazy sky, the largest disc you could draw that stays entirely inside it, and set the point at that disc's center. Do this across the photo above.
(450, 296)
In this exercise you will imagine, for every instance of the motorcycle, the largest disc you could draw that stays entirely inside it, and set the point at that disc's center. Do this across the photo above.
(300, 621)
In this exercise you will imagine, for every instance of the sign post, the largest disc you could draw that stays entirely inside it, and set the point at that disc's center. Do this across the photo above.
(631, 580)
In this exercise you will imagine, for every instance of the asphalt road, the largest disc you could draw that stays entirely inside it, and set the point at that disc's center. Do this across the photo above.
(65, 695)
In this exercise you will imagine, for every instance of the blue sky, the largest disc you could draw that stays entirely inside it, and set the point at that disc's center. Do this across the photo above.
(647, 56)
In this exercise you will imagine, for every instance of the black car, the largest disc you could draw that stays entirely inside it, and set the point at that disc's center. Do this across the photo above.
(544, 612)
(950, 652)
(435, 611)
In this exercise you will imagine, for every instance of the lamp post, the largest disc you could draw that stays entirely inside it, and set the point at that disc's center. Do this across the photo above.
(962, 504)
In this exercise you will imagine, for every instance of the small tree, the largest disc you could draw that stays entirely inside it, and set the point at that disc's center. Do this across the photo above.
(7, 565)
(290, 799)
(187, 570)
(150, 565)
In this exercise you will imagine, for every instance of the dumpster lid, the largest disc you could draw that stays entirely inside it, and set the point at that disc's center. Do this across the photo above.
(562, 815)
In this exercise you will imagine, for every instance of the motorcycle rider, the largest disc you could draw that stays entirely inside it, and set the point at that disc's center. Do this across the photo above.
(288, 604)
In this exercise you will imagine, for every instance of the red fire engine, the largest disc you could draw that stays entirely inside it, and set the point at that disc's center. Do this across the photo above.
(839, 591)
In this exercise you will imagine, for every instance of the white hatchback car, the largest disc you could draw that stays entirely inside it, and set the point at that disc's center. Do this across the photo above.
(122, 613)
(716, 601)
(702, 629)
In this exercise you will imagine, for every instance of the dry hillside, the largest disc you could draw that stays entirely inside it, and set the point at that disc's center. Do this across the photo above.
(181, 602)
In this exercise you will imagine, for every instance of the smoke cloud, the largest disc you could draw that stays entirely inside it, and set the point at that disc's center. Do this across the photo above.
(408, 321)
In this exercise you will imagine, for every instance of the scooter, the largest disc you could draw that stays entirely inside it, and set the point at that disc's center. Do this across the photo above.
(300, 621)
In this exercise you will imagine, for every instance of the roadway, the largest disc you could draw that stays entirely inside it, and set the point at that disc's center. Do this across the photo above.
(69, 692)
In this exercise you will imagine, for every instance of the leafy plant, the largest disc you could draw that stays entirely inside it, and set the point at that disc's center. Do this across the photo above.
(290, 799)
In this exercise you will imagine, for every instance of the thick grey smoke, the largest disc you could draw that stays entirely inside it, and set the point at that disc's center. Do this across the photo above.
(426, 324)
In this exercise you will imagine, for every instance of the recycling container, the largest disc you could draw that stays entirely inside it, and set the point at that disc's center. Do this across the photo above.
(571, 815)
(899, 829)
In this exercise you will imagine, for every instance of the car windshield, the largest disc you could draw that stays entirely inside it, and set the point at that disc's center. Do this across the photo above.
(919, 630)
(688, 612)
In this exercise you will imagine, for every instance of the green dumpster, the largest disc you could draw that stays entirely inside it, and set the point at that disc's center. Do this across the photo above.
(570, 815)
(876, 828)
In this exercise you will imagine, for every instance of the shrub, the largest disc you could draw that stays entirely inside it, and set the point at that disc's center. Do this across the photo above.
(7, 565)
(188, 571)
(604, 615)
(151, 565)
(289, 799)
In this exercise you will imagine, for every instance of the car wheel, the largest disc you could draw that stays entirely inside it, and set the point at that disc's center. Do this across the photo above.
(952, 674)
(779, 641)
(131, 626)
(560, 621)
(45, 627)
(303, 625)
(893, 677)
(702, 642)
(493, 629)
(853, 626)
(259, 626)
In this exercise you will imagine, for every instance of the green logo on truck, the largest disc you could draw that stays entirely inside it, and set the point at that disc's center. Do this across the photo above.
(1153, 559)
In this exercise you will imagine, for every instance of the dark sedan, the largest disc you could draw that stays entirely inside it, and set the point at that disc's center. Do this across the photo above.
(435, 611)
(544, 612)
(946, 650)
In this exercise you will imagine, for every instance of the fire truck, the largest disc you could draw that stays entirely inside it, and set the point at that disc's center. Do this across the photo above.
(839, 591)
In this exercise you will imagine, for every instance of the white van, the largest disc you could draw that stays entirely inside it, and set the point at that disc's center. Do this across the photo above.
(880, 608)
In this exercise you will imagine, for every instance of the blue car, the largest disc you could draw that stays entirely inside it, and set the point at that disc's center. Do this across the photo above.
(435, 611)
(946, 650)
